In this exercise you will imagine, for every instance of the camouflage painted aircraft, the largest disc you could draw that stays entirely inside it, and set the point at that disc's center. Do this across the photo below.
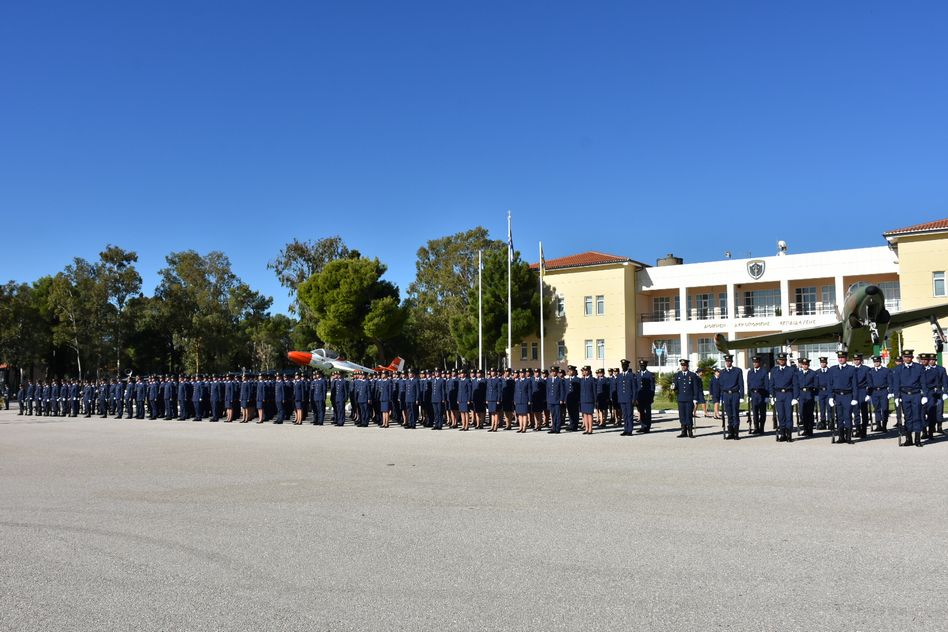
(865, 324)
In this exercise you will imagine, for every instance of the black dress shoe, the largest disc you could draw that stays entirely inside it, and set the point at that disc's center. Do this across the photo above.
(625, 434)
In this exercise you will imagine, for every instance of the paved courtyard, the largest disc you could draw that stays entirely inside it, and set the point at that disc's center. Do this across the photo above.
(157, 525)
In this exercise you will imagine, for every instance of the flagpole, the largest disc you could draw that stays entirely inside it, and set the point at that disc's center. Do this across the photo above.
(480, 312)
(509, 300)
(542, 346)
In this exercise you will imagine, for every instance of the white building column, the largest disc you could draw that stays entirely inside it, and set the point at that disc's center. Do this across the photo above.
(784, 297)
(683, 301)
(840, 294)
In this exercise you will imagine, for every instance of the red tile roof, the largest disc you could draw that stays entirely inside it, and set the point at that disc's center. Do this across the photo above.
(937, 225)
(582, 259)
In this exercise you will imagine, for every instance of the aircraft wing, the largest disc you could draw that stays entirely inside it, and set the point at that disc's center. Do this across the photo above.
(911, 317)
(345, 365)
(826, 333)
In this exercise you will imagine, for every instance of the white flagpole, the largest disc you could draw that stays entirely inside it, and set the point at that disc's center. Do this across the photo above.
(509, 299)
(480, 313)
(542, 346)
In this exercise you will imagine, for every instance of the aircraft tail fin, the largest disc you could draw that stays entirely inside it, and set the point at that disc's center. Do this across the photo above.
(720, 341)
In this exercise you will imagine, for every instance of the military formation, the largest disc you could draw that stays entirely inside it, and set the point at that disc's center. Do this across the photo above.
(846, 398)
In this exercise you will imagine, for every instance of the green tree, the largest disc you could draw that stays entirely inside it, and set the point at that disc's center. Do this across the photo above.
(299, 260)
(271, 338)
(356, 312)
(524, 303)
(116, 270)
(445, 278)
(25, 336)
(79, 299)
(208, 308)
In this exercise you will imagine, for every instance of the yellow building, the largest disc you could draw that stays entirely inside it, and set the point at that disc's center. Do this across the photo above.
(594, 315)
(922, 252)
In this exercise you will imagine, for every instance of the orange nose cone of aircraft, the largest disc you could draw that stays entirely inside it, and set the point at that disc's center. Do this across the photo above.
(300, 357)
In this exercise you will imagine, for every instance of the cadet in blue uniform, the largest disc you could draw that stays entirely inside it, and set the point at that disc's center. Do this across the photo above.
(299, 399)
(646, 395)
(572, 398)
(338, 388)
(479, 398)
(363, 399)
(911, 393)
(229, 387)
(130, 398)
(822, 398)
(759, 391)
(507, 398)
(842, 380)
(245, 398)
(278, 395)
(412, 394)
(521, 400)
(88, 398)
(152, 394)
(464, 394)
(167, 394)
(384, 394)
(317, 398)
(492, 398)
(556, 391)
(730, 394)
(809, 389)
(603, 396)
(103, 395)
(934, 377)
(784, 396)
(627, 392)
(140, 398)
(861, 410)
(261, 399)
(689, 390)
(538, 400)
(197, 398)
(587, 399)
(879, 379)
(939, 393)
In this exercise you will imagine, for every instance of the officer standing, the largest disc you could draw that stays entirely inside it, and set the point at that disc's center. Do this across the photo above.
(759, 389)
(646, 395)
(492, 398)
(197, 398)
(784, 396)
(438, 395)
(412, 394)
(822, 398)
(317, 398)
(879, 378)
(861, 412)
(627, 392)
(911, 394)
(339, 394)
(731, 392)
(556, 391)
(30, 394)
(572, 398)
(843, 396)
(809, 390)
(278, 398)
(689, 390)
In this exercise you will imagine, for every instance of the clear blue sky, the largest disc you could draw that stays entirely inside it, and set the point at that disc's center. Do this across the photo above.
(634, 128)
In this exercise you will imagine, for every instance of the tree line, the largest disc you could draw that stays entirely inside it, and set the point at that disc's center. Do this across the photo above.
(93, 319)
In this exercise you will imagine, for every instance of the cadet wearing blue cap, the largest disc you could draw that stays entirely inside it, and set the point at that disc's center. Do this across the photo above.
(879, 378)
(317, 397)
(627, 391)
(646, 395)
(861, 410)
(730, 394)
(843, 396)
(911, 393)
(412, 397)
(784, 395)
(759, 389)
(809, 389)
(556, 391)
(822, 397)
(689, 390)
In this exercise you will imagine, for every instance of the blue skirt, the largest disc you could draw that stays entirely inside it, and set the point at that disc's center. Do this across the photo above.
(492, 407)
(586, 408)
(385, 406)
(522, 409)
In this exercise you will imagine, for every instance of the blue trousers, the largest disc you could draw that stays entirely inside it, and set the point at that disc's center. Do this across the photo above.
(628, 418)
(880, 403)
(198, 409)
(556, 416)
(731, 405)
(686, 413)
(437, 414)
(825, 412)
(912, 412)
(784, 410)
(844, 412)
(645, 413)
(319, 412)
(412, 411)
(363, 413)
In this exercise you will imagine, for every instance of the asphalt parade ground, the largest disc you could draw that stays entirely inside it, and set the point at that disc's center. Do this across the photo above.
(168, 525)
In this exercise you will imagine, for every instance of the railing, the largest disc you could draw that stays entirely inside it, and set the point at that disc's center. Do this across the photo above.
(706, 313)
(812, 309)
(893, 304)
(658, 317)
(758, 311)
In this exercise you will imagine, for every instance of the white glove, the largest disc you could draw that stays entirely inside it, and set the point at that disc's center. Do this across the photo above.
(924, 401)
(897, 401)
(695, 402)
(944, 396)
(773, 400)
(793, 402)
(832, 402)
(891, 396)
(853, 403)
(868, 398)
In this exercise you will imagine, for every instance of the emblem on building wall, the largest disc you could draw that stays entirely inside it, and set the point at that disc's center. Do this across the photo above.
(756, 268)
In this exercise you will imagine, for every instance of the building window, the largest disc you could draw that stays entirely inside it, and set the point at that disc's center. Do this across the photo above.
(588, 305)
(761, 303)
(600, 305)
(938, 283)
(805, 301)
(703, 306)
(589, 349)
(560, 351)
(600, 349)
(828, 299)
(534, 351)
(677, 306)
(893, 295)
(706, 348)
(661, 308)
(666, 352)
(722, 304)
(560, 306)
(523, 352)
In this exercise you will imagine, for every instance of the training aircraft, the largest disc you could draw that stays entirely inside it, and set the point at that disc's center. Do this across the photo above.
(327, 360)
(866, 323)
